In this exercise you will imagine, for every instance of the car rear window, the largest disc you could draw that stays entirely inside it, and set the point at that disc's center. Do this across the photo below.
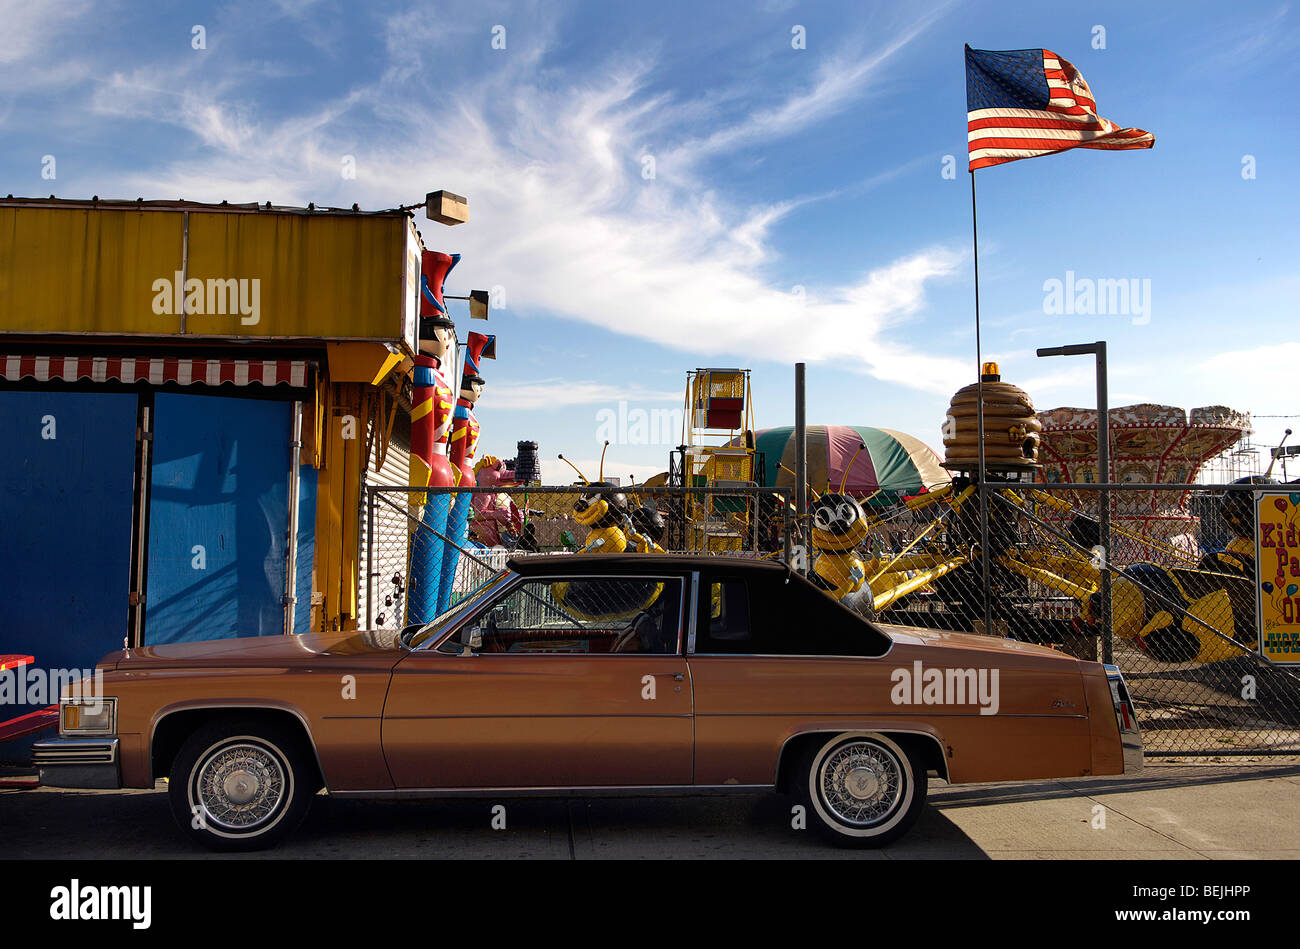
(770, 614)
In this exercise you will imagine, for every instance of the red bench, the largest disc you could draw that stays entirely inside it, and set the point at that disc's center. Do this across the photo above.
(32, 721)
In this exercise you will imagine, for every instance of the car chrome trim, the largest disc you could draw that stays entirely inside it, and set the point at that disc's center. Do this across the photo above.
(67, 751)
(695, 613)
(1130, 732)
(647, 790)
(789, 655)
(79, 763)
(906, 716)
(855, 732)
(408, 718)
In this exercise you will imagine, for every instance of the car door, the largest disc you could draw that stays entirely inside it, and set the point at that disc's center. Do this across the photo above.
(580, 682)
(771, 657)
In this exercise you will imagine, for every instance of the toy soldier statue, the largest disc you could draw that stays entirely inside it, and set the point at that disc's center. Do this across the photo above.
(431, 420)
(463, 447)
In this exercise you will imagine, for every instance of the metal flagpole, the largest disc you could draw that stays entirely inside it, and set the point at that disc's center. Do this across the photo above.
(979, 419)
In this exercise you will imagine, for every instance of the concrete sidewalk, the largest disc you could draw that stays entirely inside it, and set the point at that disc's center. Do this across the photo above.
(1179, 810)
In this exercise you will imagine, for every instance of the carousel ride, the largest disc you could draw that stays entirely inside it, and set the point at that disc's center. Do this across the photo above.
(1150, 444)
(1178, 604)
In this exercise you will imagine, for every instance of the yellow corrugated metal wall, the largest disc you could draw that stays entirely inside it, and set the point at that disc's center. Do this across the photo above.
(85, 270)
(93, 270)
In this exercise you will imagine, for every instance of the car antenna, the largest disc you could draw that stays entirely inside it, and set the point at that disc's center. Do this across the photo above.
(575, 468)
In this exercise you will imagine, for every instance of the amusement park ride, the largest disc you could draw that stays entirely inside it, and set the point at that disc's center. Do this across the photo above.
(718, 452)
(917, 556)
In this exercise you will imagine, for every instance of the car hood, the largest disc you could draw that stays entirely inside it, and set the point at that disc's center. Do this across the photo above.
(263, 650)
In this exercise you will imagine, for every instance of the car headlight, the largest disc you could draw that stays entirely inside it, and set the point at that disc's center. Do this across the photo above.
(88, 716)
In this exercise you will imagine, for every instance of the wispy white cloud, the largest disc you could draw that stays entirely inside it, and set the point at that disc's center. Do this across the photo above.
(561, 393)
(562, 216)
(41, 50)
(841, 79)
(33, 29)
(1253, 41)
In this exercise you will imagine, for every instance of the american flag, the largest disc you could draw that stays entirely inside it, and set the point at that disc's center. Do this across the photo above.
(1022, 103)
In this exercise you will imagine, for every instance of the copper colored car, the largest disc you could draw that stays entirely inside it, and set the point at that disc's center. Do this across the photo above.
(588, 674)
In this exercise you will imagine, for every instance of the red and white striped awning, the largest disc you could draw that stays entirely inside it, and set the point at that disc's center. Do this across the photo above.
(156, 370)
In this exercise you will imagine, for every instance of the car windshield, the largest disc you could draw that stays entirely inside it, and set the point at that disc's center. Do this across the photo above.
(414, 638)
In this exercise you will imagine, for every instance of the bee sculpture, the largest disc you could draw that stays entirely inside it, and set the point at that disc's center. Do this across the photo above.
(613, 528)
(839, 525)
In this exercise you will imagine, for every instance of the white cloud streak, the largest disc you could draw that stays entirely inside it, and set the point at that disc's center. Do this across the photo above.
(561, 215)
(559, 393)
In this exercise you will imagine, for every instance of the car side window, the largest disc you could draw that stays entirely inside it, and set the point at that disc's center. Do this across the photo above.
(729, 620)
(583, 615)
(768, 613)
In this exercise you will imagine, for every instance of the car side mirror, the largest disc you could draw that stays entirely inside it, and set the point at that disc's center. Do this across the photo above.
(471, 638)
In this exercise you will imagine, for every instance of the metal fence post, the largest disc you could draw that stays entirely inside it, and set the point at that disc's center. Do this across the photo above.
(1103, 520)
(370, 556)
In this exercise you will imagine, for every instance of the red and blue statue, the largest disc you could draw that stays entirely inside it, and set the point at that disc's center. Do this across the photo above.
(431, 423)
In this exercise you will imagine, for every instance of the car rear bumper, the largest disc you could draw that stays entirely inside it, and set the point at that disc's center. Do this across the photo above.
(78, 763)
(1130, 734)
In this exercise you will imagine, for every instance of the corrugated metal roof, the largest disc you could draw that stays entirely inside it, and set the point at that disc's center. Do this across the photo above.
(180, 204)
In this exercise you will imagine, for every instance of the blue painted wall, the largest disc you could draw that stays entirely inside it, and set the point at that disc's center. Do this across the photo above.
(306, 547)
(220, 483)
(65, 526)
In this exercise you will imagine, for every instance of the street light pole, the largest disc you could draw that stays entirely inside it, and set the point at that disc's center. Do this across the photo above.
(1098, 349)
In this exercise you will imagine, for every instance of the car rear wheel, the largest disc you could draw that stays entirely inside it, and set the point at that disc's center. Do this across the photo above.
(861, 788)
(241, 785)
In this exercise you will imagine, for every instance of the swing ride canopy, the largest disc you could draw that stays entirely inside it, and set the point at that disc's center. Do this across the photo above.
(892, 463)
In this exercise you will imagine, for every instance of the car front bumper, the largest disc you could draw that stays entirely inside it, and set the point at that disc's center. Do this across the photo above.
(78, 762)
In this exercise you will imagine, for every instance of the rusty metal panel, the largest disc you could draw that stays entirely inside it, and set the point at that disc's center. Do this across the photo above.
(325, 277)
(84, 270)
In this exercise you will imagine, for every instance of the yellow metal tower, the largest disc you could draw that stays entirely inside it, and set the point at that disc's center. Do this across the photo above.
(719, 444)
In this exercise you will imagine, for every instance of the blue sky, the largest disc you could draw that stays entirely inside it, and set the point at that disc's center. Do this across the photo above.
(775, 168)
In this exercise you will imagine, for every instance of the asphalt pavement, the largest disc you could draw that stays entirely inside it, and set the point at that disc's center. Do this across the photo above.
(1177, 810)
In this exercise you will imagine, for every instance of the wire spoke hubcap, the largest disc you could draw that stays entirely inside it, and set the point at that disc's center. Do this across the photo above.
(240, 786)
(861, 783)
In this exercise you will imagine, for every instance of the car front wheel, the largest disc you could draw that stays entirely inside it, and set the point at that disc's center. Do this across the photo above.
(862, 789)
(241, 785)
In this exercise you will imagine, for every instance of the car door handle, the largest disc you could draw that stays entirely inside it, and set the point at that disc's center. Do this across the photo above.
(677, 676)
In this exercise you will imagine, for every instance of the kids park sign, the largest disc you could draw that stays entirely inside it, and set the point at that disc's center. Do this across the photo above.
(1277, 582)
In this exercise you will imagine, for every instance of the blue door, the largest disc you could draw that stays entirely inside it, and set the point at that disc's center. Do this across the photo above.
(218, 520)
(67, 464)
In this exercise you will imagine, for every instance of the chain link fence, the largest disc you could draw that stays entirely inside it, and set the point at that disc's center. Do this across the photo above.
(1180, 575)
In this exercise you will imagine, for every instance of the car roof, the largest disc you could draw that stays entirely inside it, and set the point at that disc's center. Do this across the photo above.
(527, 564)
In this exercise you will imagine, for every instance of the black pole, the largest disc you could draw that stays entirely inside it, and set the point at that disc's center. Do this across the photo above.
(1098, 349)
(1103, 499)
(800, 456)
(979, 421)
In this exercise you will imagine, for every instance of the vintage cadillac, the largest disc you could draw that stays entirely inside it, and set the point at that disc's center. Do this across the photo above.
(594, 674)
